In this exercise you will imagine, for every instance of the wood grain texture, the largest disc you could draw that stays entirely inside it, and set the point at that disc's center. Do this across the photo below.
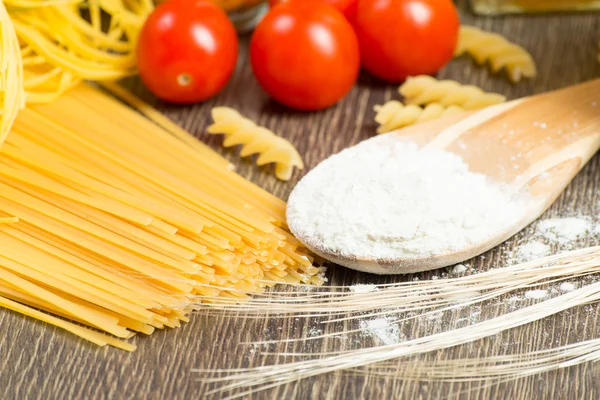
(41, 362)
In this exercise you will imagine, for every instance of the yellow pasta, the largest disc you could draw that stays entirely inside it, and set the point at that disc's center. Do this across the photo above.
(256, 139)
(395, 115)
(125, 227)
(11, 75)
(497, 50)
(60, 47)
(423, 89)
(165, 123)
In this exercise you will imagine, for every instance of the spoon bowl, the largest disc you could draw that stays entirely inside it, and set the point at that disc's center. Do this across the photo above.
(535, 145)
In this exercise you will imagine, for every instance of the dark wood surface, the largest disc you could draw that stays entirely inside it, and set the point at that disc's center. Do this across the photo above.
(42, 362)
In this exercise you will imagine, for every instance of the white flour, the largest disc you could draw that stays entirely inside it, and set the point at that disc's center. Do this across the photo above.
(555, 235)
(564, 230)
(567, 287)
(363, 288)
(536, 294)
(530, 251)
(386, 199)
(383, 328)
(459, 269)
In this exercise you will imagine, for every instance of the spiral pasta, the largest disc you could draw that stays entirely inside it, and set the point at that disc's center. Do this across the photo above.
(395, 115)
(423, 89)
(256, 140)
(487, 46)
(60, 47)
(11, 75)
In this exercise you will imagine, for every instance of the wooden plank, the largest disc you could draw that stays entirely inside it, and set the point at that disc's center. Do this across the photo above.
(39, 361)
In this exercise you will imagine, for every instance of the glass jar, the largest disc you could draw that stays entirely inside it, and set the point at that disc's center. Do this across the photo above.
(493, 7)
(244, 14)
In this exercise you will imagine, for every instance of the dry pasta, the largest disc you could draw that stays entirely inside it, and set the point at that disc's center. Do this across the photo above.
(165, 123)
(497, 50)
(11, 75)
(60, 47)
(256, 139)
(125, 228)
(423, 90)
(395, 115)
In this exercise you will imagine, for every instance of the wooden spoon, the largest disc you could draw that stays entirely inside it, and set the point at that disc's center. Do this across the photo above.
(536, 144)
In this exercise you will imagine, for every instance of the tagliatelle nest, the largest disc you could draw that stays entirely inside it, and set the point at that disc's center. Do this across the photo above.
(65, 42)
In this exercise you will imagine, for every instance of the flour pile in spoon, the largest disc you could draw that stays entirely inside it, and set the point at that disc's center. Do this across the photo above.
(386, 199)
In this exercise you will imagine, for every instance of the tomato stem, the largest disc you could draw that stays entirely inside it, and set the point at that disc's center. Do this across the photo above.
(184, 79)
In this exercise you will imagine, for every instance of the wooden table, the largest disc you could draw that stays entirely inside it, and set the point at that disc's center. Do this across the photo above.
(38, 361)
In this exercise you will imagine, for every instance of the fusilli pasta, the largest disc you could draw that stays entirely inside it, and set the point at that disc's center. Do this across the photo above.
(256, 139)
(423, 89)
(395, 115)
(487, 46)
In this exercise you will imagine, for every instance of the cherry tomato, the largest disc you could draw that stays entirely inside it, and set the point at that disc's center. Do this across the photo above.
(401, 38)
(347, 7)
(305, 54)
(187, 50)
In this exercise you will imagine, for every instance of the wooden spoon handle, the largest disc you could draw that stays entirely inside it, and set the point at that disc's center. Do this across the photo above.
(517, 141)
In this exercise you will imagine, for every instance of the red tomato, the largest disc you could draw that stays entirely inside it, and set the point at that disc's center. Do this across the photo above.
(348, 7)
(401, 38)
(187, 50)
(305, 55)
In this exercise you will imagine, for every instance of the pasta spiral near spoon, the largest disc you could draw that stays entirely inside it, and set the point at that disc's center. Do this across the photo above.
(423, 89)
(427, 98)
(395, 115)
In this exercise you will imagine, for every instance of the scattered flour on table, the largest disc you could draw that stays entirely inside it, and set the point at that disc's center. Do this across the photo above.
(363, 288)
(536, 294)
(564, 230)
(386, 199)
(382, 328)
(530, 251)
(315, 332)
(555, 235)
(459, 269)
(567, 287)
(513, 299)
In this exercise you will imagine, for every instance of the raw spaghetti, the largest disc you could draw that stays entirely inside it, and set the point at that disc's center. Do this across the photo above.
(11, 75)
(124, 227)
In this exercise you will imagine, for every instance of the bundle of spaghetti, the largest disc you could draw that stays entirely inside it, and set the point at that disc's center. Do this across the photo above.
(125, 228)
(64, 42)
(12, 95)
(402, 297)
